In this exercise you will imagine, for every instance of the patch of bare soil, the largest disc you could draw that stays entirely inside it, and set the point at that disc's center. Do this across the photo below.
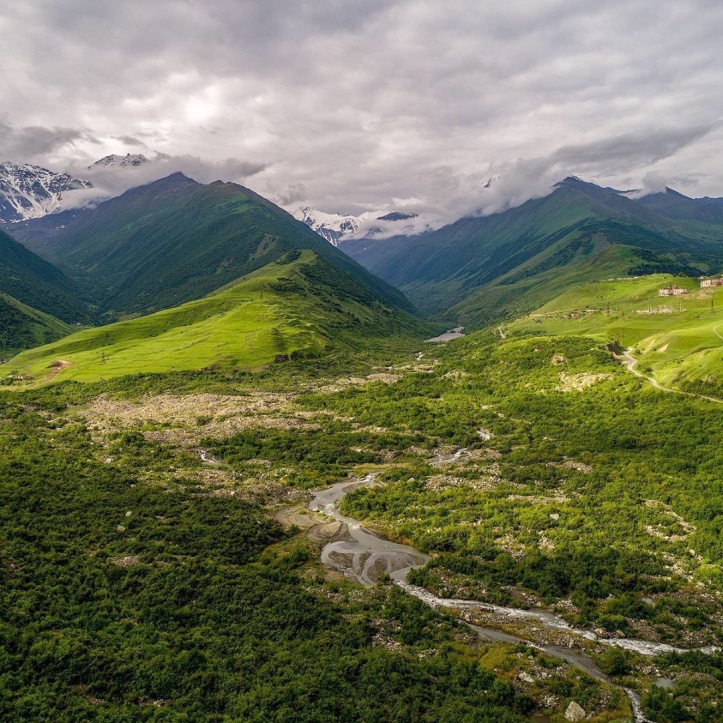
(511, 546)
(419, 368)
(572, 464)
(579, 382)
(56, 367)
(181, 420)
(318, 527)
(455, 374)
(300, 517)
(384, 377)
(539, 500)
(127, 561)
(341, 384)
(442, 482)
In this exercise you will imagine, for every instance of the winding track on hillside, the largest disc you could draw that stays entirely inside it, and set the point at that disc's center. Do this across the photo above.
(630, 361)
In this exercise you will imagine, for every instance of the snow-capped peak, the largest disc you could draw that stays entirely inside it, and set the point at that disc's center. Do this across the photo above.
(335, 227)
(28, 191)
(130, 160)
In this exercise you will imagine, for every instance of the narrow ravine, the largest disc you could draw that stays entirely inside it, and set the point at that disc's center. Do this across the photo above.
(365, 557)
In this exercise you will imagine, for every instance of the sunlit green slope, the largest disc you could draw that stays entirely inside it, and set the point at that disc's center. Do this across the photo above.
(300, 306)
(679, 340)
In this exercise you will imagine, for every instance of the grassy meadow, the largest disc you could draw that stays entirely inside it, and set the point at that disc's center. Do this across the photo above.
(277, 312)
(678, 340)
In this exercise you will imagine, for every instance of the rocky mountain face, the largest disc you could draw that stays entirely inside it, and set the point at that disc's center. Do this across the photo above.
(130, 160)
(28, 191)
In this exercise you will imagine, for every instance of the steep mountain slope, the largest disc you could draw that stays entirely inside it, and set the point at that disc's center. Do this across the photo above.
(174, 240)
(672, 204)
(39, 284)
(300, 306)
(23, 328)
(28, 191)
(479, 269)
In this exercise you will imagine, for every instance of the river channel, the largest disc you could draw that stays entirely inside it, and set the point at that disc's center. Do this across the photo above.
(365, 557)
(448, 335)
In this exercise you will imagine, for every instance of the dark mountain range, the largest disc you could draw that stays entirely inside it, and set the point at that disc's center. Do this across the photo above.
(22, 327)
(38, 283)
(479, 269)
(175, 240)
(674, 205)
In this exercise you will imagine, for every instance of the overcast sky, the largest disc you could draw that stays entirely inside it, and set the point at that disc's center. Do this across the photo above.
(356, 104)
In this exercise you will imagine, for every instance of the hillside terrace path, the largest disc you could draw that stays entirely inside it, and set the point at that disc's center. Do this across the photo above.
(630, 361)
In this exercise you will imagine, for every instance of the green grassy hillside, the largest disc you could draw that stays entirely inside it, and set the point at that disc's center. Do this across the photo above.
(672, 204)
(175, 240)
(678, 340)
(300, 306)
(38, 283)
(22, 327)
(480, 270)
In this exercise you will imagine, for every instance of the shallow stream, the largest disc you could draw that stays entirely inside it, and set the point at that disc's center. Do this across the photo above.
(365, 557)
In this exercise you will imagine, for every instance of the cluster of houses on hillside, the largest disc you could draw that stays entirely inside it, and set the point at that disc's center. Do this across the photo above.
(705, 282)
(672, 290)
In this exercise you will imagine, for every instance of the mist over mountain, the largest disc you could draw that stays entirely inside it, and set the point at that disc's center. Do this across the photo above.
(480, 267)
(370, 224)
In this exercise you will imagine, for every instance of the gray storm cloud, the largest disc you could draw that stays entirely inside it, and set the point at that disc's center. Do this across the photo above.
(347, 105)
(29, 143)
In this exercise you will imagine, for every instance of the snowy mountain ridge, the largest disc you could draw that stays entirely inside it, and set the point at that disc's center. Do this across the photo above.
(28, 191)
(130, 160)
(335, 227)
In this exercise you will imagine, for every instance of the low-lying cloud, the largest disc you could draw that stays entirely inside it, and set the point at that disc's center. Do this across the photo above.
(345, 106)
(111, 181)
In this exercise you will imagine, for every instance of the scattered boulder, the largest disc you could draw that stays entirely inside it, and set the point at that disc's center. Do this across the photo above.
(575, 712)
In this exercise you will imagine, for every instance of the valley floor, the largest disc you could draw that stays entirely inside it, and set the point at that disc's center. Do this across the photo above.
(160, 560)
